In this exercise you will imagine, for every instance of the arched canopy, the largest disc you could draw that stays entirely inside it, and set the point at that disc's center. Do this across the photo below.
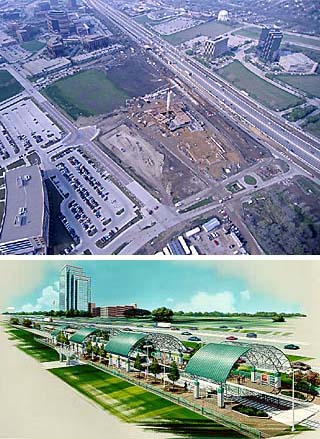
(82, 334)
(124, 343)
(57, 331)
(265, 357)
(214, 361)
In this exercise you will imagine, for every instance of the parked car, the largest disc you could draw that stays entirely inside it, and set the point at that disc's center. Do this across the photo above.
(231, 337)
(293, 347)
(194, 338)
(300, 365)
(251, 335)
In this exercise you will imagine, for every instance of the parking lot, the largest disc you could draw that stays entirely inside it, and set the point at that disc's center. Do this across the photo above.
(28, 126)
(95, 204)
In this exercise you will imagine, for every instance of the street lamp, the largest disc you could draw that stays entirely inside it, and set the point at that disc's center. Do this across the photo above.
(292, 427)
(147, 347)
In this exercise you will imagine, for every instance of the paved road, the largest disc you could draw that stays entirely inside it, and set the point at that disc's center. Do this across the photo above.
(297, 143)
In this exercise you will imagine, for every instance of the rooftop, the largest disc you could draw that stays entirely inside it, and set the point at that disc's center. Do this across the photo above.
(124, 343)
(24, 204)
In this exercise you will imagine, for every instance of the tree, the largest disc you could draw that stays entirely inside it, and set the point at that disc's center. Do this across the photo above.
(137, 364)
(174, 373)
(102, 352)
(89, 347)
(62, 338)
(14, 321)
(27, 323)
(155, 367)
(279, 319)
(136, 312)
(162, 314)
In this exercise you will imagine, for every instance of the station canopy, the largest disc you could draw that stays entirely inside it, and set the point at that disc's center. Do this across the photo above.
(214, 361)
(57, 331)
(82, 334)
(125, 343)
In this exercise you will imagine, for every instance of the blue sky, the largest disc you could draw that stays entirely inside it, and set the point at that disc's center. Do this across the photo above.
(187, 285)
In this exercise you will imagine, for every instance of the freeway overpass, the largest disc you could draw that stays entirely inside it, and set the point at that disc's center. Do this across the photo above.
(296, 143)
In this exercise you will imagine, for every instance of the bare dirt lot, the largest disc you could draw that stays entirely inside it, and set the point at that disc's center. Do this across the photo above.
(159, 171)
(285, 219)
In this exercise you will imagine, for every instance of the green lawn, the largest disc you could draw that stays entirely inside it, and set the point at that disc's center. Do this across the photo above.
(87, 93)
(253, 32)
(33, 45)
(9, 87)
(135, 404)
(260, 90)
(211, 29)
(310, 84)
(298, 358)
(27, 344)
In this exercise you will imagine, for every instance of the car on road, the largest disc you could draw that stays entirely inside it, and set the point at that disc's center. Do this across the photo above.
(291, 346)
(223, 327)
(251, 335)
(127, 329)
(231, 337)
(194, 338)
(186, 333)
(174, 328)
(300, 365)
(238, 327)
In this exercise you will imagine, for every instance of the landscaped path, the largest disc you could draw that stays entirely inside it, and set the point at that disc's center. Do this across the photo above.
(36, 405)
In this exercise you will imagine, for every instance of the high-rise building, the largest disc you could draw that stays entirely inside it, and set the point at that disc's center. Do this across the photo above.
(74, 289)
(58, 22)
(269, 44)
(216, 47)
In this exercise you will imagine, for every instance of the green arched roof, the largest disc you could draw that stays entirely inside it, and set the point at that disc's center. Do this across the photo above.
(124, 343)
(214, 361)
(82, 334)
(57, 331)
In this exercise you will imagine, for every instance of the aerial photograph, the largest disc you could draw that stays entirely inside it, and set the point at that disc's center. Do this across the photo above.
(159, 349)
(159, 127)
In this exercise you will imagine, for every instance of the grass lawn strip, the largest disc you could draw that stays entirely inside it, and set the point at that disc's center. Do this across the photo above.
(27, 344)
(132, 403)
(259, 89)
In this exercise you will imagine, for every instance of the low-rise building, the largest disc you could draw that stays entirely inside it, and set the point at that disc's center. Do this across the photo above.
(25, 223)
(94, 42)
(43, 67)
(55, 47)
(297, 63)
(109, 311)
(210, 225)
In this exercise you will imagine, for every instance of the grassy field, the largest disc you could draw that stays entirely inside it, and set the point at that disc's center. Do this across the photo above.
(33, 45)
(312, 124)
(87, 93)
(134, 404)
(292, 358)
(253, 32)
(27, 344)
(9, 87)
(310, 84)
(260, 90)
(210, 29)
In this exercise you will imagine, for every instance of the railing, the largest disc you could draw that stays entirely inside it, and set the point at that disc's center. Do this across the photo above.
(214, 416)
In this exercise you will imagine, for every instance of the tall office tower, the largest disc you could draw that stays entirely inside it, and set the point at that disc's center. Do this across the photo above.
(58, 22)
(269, 44)
(74, 289)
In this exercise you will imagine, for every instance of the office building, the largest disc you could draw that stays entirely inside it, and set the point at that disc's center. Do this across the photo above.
(217, 47)
(95, 42)
(74, 289)
(55, 47)
(269, 44)
(25, 224)
(58, 22)
(109, 311)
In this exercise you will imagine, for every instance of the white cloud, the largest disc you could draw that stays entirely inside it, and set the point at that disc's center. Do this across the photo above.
(47, 300)
(245, 295)
(201, 302)
(170, 299)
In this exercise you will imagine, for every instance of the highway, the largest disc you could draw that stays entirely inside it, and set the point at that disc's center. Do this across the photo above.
(296, 143)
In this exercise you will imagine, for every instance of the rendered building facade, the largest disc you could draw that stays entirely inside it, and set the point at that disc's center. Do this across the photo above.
(74, 289)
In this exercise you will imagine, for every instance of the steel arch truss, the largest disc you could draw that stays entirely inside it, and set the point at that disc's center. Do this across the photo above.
(165, 342)
(265, 357)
